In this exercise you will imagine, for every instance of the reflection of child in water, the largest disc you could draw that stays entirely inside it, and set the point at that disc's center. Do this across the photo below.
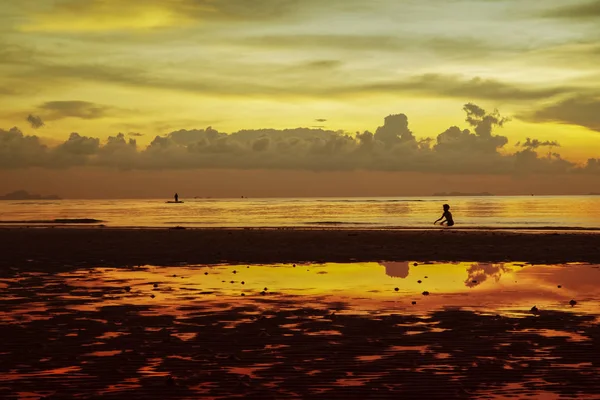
(448, 215)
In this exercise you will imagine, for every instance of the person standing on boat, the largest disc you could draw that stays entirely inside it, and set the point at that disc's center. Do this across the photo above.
(176, 198)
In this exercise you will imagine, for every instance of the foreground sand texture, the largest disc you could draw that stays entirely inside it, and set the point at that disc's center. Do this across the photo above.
(82, 315)
(318, 331)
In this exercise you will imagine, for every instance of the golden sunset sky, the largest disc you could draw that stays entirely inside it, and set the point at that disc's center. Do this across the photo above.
(147, 68)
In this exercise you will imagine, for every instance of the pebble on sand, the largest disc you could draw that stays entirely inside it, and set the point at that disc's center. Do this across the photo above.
(265, 289)
(127, 289)
(414, 303)
(263, 293)
(243, 294)
(559, 286)
(156, 285)
(234, 271)
(243, 283)
(415, 264)
(206, 273)
(152, 296)
(426, 293)
(419, 281)
(396, 289)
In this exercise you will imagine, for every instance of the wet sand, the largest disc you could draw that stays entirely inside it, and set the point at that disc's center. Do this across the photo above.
(53, 249)
(83, 316)
(317, 331)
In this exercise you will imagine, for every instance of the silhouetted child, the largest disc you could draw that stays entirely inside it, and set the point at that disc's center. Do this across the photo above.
(447, 215)
(176, 197)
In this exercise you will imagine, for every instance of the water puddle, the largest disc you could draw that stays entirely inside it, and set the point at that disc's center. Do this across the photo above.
(303, 330)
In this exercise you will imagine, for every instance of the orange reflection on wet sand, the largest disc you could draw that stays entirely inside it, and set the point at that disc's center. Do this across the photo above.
(304, 331)
(374, 288)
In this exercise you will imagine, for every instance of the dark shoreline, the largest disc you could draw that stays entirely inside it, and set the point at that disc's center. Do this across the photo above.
(48, 249)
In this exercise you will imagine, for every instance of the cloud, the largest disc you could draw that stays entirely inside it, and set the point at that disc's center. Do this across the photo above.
(579, 110)
(455, 47)
(535, 143)
(55, 110)
(578, 11)
(135, 134)
(393, 147)
(287, 78)
(479, 273)
(75, 151)
(461, 87)
(116, 15)
(35, 121)
(20, 151)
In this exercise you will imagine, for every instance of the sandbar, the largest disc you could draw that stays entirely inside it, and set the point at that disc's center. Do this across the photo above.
(67, 248)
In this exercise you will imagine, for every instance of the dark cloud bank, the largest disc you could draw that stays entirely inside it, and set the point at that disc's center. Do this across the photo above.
(393, 147)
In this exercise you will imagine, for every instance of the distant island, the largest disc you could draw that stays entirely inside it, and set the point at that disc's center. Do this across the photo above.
(594, 194)
(25, 195)
(461, 194)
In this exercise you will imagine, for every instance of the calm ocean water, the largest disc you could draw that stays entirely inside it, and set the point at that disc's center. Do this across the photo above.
(414, 212)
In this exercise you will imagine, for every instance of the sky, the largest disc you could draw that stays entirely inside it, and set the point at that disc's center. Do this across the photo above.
(324, 92)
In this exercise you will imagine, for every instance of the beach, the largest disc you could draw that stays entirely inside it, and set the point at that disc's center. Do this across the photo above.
(53, 249)
(97, 312)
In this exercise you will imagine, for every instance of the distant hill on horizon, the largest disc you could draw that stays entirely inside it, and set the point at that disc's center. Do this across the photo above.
(461, 194)
(25, 195)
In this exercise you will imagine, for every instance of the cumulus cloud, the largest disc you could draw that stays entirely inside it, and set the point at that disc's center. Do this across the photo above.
(35, 121)
(536, 143)
(479, 273)
(393, 147)
(20, 151)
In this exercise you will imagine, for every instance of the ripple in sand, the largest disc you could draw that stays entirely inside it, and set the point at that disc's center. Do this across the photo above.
(309, 334)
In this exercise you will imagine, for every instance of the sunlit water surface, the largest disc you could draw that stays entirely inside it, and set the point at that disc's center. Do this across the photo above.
(493, 211)
(467, 330)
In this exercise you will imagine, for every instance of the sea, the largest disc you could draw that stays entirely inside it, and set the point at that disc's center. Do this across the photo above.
(500, 212)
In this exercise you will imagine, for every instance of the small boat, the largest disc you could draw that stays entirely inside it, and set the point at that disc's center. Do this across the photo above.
(173, 202)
